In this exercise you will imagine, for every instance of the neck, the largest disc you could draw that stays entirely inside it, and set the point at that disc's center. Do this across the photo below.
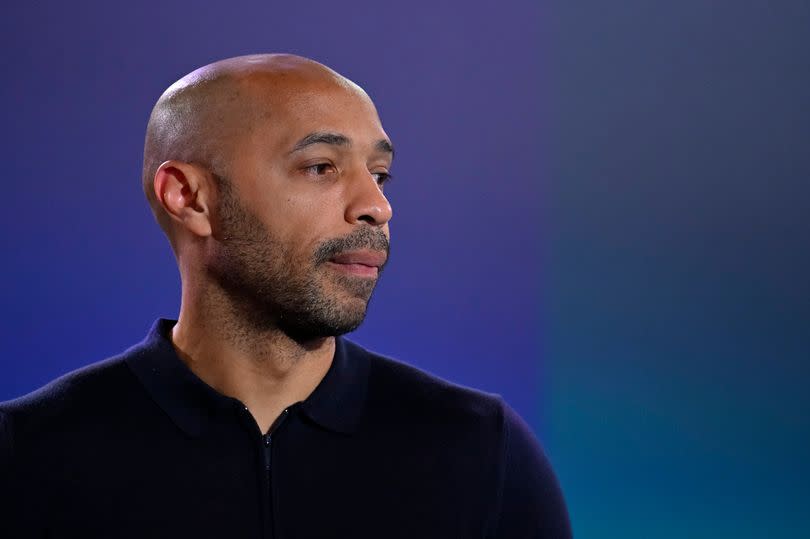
(264, 368)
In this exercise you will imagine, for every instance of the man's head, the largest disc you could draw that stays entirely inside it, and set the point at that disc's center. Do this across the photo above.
(266, 172)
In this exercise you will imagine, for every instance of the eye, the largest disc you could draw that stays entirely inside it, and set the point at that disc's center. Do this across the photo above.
(382, 177)
(319, 169)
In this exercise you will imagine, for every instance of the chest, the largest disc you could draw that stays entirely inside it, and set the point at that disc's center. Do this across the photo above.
(298, 483)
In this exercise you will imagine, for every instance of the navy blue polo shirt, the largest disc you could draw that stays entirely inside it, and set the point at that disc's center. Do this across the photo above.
(137, 446)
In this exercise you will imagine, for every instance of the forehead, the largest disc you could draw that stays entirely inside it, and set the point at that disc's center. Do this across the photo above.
(286, 113)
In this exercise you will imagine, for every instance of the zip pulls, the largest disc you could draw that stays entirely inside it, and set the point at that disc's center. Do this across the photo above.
(268, 438)
(267, 452)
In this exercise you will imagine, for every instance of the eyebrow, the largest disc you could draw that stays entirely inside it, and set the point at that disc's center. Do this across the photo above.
(333, 139)
(336, 139)
(384, 146)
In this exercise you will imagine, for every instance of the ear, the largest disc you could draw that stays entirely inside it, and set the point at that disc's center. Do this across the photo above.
(184, 192)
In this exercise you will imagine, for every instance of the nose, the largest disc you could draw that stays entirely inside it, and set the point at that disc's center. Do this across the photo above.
(366, 202)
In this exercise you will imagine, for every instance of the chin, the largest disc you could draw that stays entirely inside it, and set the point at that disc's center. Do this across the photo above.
(353, 315)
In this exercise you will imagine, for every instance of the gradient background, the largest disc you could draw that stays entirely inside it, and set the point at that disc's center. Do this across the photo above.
(601, 212)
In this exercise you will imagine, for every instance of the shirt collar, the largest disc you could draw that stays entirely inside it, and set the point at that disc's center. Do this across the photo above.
(336, 404)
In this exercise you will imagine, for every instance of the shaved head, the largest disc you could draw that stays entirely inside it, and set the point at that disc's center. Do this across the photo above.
(266, 173)
(201, 117)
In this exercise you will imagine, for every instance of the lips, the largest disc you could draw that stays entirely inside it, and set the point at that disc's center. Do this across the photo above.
(364, 264)
(373, 259)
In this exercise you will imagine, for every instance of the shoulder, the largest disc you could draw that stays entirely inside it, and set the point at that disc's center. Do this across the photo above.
(94, 386)
(502, 453)
(401, 390)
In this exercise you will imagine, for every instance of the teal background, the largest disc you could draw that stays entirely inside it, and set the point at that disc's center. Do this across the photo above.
(678, 296)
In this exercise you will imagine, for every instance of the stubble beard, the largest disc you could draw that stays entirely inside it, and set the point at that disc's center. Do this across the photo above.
(267, 286)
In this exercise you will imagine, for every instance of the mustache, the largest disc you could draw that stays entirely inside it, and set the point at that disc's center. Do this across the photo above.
(373, 239)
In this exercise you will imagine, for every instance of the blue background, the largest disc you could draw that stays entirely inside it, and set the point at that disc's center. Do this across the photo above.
(600, 212)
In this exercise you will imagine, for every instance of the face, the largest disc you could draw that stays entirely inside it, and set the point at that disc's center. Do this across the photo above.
(301, 231)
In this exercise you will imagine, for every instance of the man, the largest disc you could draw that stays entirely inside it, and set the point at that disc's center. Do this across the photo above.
(250, 416)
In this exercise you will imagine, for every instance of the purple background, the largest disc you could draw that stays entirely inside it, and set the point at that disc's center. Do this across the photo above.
(87, 270)
(600, 212)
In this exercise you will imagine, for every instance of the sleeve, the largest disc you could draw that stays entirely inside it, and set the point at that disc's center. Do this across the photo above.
(7, 512)
(531, 503)
(5, 441)
(16, 517)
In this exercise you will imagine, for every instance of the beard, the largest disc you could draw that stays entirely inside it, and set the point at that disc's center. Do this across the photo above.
(269, 285)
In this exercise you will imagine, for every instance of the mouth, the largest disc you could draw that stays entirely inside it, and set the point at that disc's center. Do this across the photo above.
(364, 263)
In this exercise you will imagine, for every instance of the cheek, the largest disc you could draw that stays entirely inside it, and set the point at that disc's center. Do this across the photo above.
(294, 226)
(301, 213)
(308, 215)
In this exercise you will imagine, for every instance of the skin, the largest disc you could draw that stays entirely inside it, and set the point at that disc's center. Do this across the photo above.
(254, 218)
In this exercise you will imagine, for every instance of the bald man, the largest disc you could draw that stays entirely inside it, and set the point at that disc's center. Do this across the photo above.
(250, 416)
